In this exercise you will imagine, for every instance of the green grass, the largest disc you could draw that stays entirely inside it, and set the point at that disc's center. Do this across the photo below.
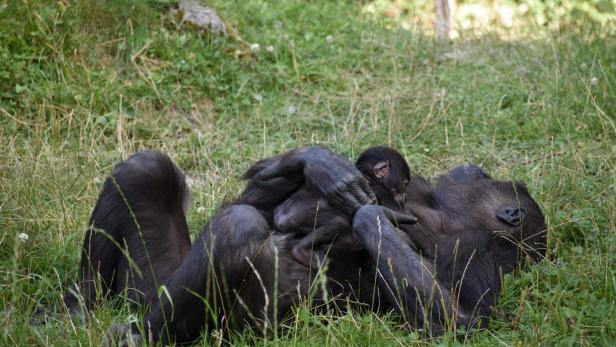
(83, 86)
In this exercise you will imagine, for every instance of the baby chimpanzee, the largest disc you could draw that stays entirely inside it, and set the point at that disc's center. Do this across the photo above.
(308, 213)
(388, 175)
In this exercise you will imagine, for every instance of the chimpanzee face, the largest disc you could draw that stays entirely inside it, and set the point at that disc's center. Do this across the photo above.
(393, 177)
(481, 202)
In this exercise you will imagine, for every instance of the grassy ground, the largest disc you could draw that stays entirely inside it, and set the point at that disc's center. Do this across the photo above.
(84, 85)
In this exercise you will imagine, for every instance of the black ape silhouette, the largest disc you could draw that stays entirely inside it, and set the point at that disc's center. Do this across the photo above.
(238, 273)
(308, 213)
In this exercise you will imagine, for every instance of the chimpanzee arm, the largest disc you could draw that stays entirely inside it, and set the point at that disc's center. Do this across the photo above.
(274, 179)
(408, 280)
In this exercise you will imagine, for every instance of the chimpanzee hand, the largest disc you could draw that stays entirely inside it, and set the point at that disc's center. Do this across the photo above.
(333, 175)
(372, 223)
(369, 215)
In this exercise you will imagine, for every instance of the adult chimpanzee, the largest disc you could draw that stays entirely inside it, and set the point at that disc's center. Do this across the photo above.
(482, 227)
(308, 213)
(238, 273)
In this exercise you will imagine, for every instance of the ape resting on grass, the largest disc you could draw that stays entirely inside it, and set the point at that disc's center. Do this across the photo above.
(308, 213)
(441, 271)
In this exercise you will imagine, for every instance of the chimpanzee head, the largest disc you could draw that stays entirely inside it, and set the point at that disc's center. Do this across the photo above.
(473, 200)
(387, 172)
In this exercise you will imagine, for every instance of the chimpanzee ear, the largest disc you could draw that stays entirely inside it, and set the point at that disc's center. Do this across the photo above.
(381, 169)
(512, 216)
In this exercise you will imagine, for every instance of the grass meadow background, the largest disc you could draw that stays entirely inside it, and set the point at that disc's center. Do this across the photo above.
(84, 83)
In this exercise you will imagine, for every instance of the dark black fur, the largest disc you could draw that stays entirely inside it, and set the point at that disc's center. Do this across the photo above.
(142, 204)
(390, 190)
(463, 231)
(307, 212)
(231, 278)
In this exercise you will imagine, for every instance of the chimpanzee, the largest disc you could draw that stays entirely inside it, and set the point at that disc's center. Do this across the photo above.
(388, 174)
(467, 249)
(307, 212)
(238, 273)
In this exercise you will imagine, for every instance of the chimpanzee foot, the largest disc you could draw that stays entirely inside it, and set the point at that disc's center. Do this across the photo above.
(307, 257)
(300, 254)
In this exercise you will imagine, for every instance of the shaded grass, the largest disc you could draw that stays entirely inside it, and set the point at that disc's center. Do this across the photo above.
(85, 85)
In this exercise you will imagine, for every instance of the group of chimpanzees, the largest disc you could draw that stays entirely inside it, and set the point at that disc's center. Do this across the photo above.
(389, 239)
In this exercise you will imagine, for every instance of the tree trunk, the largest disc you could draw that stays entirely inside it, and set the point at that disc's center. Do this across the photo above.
(445, 15)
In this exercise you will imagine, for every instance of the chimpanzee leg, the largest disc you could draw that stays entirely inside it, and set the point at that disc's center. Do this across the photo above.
(138, 233)
(232, 253)
(408, 281)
